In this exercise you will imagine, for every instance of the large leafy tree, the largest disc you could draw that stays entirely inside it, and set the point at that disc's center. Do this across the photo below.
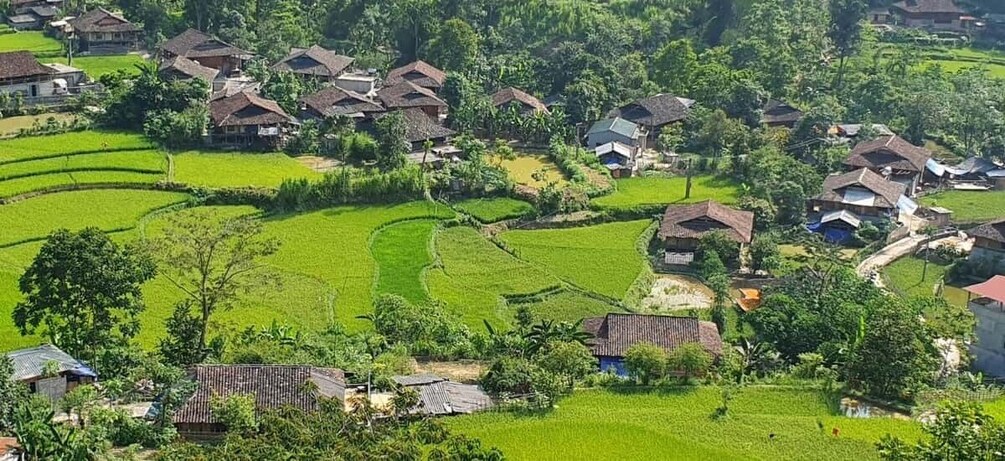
(213, 260)
(83, 291)
(456, 46)
(392, 145)
(12, 393)
(895, 331)
(845, 29)
(959, 430)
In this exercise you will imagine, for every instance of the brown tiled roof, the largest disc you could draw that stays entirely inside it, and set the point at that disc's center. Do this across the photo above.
(889, 151)
(333, 101)
(246, 108)
(17, 64)
(695, 220)
(314, 61)
(273, 386)
(508, 95)
(887, 192)
(408, 94)
(187, 68)
(928, 6)
(994, 230)
(195, 44)
(102, 20)
(420, 73)
(654, 111)
(421, 127)
(615, 333)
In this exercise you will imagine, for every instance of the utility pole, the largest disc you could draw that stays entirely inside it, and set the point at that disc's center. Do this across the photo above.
(687, 172)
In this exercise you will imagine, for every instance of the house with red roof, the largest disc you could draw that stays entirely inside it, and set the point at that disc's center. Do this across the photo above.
(987, 302)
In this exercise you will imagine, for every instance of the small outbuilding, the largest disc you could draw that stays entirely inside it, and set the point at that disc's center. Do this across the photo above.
(49, 371)
(617, 157)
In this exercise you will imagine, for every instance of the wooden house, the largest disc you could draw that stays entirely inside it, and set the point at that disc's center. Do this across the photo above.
(654, 113)
(100, 31)
(408, 95)
(989, 243)
(778, 113)
(891, 157)
(334, 101)
(246, 119)
(207, 50)
(683, 226)
(524, 102)
(929, 14)
(314, 63)
(420, 73)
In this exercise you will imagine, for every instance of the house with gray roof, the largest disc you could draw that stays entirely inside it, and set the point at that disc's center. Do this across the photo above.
(101, 31)
(892, 157)
(616, 129)
(654, 112)
(929, 14)
(49, 371)
(441, 397)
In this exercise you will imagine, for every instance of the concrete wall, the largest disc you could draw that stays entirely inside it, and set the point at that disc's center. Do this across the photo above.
(44, 88)
(989, 347)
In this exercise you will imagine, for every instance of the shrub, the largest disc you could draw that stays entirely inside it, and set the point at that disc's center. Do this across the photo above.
(646, 363)
(691, 359)
(236, 412)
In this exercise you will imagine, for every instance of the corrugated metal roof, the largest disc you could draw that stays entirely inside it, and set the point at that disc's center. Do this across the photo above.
(841, 215)
(616, 125)
(440, 396)
(30, 363)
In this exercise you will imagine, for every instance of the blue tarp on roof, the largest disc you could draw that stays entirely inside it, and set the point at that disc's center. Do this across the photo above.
(830, 234)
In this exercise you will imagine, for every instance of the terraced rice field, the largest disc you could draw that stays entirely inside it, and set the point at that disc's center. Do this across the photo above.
(490, 210)
(473, 275)
(633, 192)
(211, 169)
(602, 258)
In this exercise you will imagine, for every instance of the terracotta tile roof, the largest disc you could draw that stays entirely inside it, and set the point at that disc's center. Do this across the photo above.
(187, 68)
(314, 61)
(655, 111)
(508, 95)
(18, 64)
(889, 151)
(273, 386)
(246, 108)
(333, 101)
(102, 20)
(195, 44)
(887, 192)
(695, 220)
(994, 231)
(420, 73)
(928, 6)
(615, 333)
(420, 127)
(407, 94)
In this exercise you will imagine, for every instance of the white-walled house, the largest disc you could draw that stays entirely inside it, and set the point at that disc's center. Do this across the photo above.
(21, 73)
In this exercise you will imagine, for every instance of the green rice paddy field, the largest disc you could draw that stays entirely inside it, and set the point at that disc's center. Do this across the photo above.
(676, 424)
(969, 207)
(48, 49)
(30, 164)
(663, 191)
